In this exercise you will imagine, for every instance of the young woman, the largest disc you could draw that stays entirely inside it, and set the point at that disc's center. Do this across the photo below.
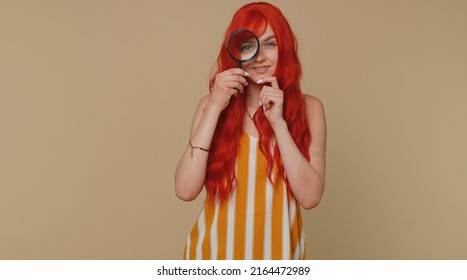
(257, 144)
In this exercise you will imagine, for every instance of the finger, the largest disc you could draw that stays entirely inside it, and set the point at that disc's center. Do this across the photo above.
(234, 71)
(264, 92)
(235, 78)
(270, 91)
(271, 98)
(275, 100)
(231, 92)
(265, 100)
(234, 85)
(272, 80)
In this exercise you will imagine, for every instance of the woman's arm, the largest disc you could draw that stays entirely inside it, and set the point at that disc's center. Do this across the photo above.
(306, 178)
(191, 169)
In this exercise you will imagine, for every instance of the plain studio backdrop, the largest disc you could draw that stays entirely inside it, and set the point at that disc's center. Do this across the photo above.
(97, 97)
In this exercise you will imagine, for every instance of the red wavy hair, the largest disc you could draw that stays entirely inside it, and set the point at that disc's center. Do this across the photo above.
(220, 175)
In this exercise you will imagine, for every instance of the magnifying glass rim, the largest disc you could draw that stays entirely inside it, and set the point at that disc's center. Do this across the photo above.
(235, 58)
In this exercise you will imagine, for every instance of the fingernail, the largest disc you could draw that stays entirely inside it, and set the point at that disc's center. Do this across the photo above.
(260, 104)
(260, 81)
(247, 74)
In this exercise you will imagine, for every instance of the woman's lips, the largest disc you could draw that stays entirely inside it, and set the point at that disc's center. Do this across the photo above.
(261, 70)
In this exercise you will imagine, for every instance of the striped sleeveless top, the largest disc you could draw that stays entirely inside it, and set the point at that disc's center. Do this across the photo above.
(258, 221)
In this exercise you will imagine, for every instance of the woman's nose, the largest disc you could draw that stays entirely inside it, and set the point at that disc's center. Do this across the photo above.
(260, 57)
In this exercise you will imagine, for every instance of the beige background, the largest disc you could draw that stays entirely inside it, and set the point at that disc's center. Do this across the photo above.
(96, 100)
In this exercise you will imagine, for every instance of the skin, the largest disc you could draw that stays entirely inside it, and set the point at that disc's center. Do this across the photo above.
(258, 82)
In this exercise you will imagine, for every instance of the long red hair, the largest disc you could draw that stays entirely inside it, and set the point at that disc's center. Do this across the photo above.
(220, 175)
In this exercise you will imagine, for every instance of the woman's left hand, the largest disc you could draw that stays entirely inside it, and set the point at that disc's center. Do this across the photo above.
(272, 99)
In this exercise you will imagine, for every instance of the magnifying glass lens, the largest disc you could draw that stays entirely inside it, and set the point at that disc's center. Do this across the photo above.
(243, 46)
(248, 50)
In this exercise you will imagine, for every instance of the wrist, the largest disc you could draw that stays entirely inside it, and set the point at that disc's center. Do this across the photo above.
(212, 109)
(279, 125)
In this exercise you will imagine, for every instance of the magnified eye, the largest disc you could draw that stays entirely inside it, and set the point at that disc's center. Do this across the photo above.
(247, 48)
(242, 46)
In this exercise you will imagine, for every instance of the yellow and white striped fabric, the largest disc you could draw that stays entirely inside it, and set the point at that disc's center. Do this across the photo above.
(258, 221)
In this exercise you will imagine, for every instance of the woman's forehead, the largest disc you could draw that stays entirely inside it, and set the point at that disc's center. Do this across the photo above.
(266, 34)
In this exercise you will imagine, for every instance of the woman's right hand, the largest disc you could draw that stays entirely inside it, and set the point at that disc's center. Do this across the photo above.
(228, 83)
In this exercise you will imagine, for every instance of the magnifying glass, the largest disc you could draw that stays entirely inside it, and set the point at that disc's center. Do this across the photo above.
(242, 46)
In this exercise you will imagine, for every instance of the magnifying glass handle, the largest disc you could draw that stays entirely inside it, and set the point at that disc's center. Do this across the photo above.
(239, 64)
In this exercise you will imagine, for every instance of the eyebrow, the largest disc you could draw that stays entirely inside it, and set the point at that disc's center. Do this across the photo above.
(252, 41)
(268, 38)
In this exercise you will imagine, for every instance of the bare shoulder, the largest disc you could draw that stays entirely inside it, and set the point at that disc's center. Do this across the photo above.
(317, 124)
(314, 107)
